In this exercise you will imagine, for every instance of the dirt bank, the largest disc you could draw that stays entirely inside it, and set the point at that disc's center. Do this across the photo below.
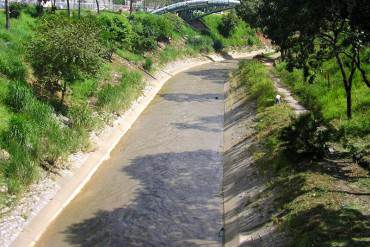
(247, 209)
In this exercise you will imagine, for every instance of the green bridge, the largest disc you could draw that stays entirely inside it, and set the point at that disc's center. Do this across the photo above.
(194, 9)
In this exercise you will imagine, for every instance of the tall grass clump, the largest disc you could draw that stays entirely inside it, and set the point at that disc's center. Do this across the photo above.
(326, 96)
(34, 137)
(118, 97)
(255, 76)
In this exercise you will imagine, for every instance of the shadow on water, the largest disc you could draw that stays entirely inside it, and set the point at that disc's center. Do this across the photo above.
(177, 205)
(185, 97)
(202, 124)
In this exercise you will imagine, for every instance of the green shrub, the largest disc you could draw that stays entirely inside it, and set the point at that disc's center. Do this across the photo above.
(34, 10)
(232, 32)
(200, 43)
(149, 30)
(116, 29)
(306, 136)
(218, 45)
(148, 64)
(228, 24)
(64, 48)
(15, 9)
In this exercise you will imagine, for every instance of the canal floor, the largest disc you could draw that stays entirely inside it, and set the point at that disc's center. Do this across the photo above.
(162, 184)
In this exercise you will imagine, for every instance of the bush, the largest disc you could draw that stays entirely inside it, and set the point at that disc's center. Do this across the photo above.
(149, 30)
(116, 29)
(228, 24)
(64, 48)
(15, 9)
(200, 43)
(34, 10)
(148, 64)
(306, 136)
(218, 45)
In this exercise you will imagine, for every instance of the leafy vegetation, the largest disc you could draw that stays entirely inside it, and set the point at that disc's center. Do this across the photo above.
(241, 34)
(318, 202)
(334, 33)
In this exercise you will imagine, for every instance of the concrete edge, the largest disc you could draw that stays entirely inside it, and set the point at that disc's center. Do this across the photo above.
(71, 186)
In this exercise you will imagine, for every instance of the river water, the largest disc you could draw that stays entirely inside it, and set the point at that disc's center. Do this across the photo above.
(162, 184)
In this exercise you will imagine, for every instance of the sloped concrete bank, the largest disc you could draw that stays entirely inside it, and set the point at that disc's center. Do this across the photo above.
(247, 208)
(23, 225)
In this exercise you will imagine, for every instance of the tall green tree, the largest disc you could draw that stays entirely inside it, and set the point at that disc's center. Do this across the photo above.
(63, 49)
(68, 8)
(7, 22)
(97, 6)
(310, 32)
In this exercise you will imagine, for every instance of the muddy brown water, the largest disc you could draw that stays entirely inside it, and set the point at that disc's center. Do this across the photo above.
(162, 184)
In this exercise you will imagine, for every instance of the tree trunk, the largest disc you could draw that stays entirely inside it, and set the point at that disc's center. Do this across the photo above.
(347, 81)
(7, 22)
(97, 6)
(79, 9)
(68, 9)
(131, 2)
(349, 102)
(64, 90)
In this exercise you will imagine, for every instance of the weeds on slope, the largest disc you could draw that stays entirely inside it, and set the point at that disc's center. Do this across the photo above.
(317, 201)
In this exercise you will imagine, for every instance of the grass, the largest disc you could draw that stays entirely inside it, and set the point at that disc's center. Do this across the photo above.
(316, 202)
(243, 35)
(326, 96)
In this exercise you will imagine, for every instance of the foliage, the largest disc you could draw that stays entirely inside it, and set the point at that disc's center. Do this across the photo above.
(333, 33)
(150, 29)
(228, 24)
(15, 9)
(148, 64)
(326, 97)
(116, 98)
(64, 48)
(200, 43)
(256, 78)
(18, 96)
(116, 29)
(242, 34)
(306, 136)
(218, 45)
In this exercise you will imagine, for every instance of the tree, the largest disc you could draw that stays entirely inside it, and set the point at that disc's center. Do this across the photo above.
(97, 6)
(79, 9)
(63, 49)
(68, 8)
(7, 22)
(310, 32)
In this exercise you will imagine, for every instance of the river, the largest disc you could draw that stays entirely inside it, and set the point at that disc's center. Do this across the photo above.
(162, 184)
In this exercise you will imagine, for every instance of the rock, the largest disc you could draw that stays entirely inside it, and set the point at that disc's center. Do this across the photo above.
(64, 119)
(4, 155)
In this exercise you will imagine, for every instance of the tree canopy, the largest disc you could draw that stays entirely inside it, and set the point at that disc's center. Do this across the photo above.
(309, 32)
